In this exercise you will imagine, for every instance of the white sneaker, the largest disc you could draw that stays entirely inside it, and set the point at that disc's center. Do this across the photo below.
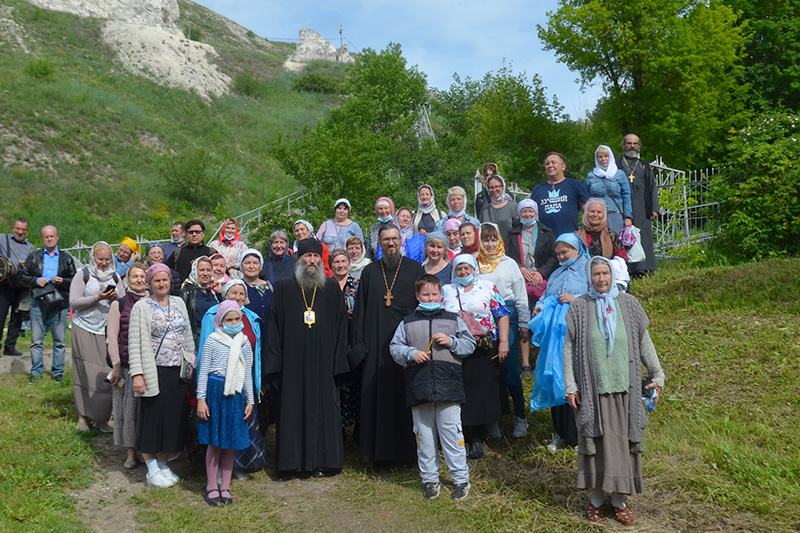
(557, 444)
(169, 474)
(158, 479)
(520, 427)
(494, 431)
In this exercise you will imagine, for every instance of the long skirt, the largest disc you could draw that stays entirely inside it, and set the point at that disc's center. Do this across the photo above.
(125, 406)
(225, 427)
(483, 387)
(564, 423)
(253, 457)
(163, 418)
(92, 395)
(614, 468)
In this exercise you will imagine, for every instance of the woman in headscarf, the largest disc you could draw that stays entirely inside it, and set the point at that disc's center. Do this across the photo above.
(468, 233)
(229, 243)
(436, 262)
(357, 256)
(606, 181)
(501, 209)
(303, 229)
(451, 232)
(160, 342)
(599, 239)
(482, 198)
(427, 215)
(457, 203)
(155, 254)
(497, 267)
(335, 232)
(384, 211)
(253, 458)
(259, 292)
(219, 268)
(482, 371)
(280, 262)
(90, 296)
(568, 282)
(606, 344)
(124, 403)
(199, 292)
(531, 245)
(412, 245)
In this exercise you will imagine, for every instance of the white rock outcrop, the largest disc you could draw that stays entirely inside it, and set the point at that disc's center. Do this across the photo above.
(312, 47)
(150, 43)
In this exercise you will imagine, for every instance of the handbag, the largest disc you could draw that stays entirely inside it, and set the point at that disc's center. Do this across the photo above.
(474, 326)
(534, 290)
(50, 298)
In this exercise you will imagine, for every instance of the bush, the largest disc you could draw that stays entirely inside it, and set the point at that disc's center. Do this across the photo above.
(760, 191)
(315, 82)
(41, 69)
(193, 33)
(246, 84)
(198, 177)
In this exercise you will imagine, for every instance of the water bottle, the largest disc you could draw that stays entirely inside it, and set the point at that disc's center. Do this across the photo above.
(650, 401)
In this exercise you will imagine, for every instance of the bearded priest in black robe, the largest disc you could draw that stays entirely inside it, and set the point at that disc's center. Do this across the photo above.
(307, 339)
(385, 296)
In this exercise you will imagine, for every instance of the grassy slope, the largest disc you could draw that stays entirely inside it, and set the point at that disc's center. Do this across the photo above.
(721, 451)
(105, 133)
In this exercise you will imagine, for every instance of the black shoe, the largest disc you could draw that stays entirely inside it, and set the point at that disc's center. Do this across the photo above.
(461, 490)
(32, 379)
(478, 450)
(225, 500)
(527, 370)
(11, 351)
(431, 490)
(58, 379)
(213, 502)
(318, 473)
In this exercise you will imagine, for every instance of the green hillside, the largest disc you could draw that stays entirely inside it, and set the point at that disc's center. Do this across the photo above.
(102, 153)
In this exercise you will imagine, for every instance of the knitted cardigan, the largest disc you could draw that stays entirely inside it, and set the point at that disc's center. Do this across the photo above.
(579, 330)
(141, 358)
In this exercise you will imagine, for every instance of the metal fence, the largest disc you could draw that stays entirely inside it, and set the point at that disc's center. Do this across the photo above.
(687, 207)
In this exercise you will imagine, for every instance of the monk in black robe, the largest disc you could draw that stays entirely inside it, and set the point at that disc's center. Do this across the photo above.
(307, 338)
(385, 295)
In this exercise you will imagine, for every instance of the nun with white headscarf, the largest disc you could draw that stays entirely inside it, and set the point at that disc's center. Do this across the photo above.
(608, 182)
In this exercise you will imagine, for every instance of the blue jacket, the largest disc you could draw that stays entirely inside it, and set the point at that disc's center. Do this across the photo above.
(415, 248)
(618, 189)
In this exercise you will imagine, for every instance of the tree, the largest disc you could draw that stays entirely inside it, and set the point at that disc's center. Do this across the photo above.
(670, 70)
(772, 61)
(363, 147)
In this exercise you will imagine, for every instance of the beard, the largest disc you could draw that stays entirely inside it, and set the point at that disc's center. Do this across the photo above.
(309, 278)
(633, 154)
(391, 261)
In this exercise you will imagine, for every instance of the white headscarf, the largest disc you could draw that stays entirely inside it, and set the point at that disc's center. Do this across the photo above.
(611, 170)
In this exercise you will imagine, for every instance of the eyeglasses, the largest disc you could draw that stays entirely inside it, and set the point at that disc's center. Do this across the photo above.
(195, 231)
(390, 239)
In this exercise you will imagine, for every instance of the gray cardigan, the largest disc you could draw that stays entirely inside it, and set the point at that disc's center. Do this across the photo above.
(579, 368)
(141, 358)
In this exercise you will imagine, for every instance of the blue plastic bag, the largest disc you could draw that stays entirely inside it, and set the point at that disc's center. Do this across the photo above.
(549, 329)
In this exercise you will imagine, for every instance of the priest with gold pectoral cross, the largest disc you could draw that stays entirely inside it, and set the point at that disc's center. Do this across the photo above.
(385, 295)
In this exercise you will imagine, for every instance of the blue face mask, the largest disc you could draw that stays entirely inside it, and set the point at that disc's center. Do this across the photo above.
(233, 330)
(385, 220)
(528, 221)
(466, 280)
(568, 262)
(430, 306)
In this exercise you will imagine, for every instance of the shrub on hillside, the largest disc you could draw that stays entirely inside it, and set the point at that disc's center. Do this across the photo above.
(41, 68)
(317, 83)
(246, 84)
(760, 190)
(193, 33)
(197, 176)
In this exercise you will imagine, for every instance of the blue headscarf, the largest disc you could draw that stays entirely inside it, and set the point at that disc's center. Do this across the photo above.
(605, 308)
(463, 258)
(576, 242)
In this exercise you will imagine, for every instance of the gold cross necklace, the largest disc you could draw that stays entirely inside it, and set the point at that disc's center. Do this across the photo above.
(389, 296)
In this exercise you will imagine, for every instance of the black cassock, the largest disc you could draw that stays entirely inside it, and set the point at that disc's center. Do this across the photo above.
(301, 368)
(386, 429)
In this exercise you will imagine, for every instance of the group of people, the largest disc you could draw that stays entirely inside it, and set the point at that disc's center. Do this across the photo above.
(336, 328)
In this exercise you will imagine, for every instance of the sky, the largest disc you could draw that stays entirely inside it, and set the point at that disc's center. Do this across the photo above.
(441, 37)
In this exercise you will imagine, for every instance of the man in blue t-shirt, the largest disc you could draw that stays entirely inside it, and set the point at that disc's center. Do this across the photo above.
(560, 198)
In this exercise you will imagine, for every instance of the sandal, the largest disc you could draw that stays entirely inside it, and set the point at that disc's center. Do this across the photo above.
(595, 514)
(213, 502)
(225, 500)
(624, 516)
